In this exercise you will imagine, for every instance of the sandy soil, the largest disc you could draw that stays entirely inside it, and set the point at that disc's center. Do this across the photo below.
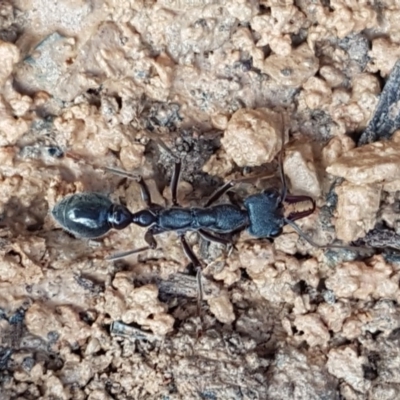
(89, 84)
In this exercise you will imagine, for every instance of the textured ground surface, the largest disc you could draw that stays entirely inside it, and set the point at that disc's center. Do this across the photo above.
(86, 84)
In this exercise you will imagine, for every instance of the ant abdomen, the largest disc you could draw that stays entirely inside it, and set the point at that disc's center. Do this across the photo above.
(86, 215)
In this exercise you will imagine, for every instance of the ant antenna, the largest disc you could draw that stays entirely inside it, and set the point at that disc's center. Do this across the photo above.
(281, 171)
(121, 255)
(319, 246)
(161, 143)
(122, 173)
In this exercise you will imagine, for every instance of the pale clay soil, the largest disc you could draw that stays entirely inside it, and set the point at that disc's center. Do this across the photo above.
(89, 84)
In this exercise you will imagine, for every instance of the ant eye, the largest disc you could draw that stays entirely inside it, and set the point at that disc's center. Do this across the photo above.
(120, 217)
(276, 232)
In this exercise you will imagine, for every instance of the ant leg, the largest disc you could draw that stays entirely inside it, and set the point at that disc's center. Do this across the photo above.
(175, 181)
(234, 199)
(229, 185)
(149, 236)
(161, 143)
(197, 265)
(226, 239)
(177, 169)
(149, 239)
(144, 190)
(215, 238)
(189, 252)
(219, 193)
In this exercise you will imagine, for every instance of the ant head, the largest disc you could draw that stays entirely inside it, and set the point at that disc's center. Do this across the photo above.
(143, 218)
(119, 217)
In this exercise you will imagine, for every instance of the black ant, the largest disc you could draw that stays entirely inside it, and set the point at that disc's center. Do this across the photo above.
(92, 215)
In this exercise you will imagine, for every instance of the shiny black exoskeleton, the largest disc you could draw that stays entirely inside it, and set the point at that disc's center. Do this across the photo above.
(91, 215)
